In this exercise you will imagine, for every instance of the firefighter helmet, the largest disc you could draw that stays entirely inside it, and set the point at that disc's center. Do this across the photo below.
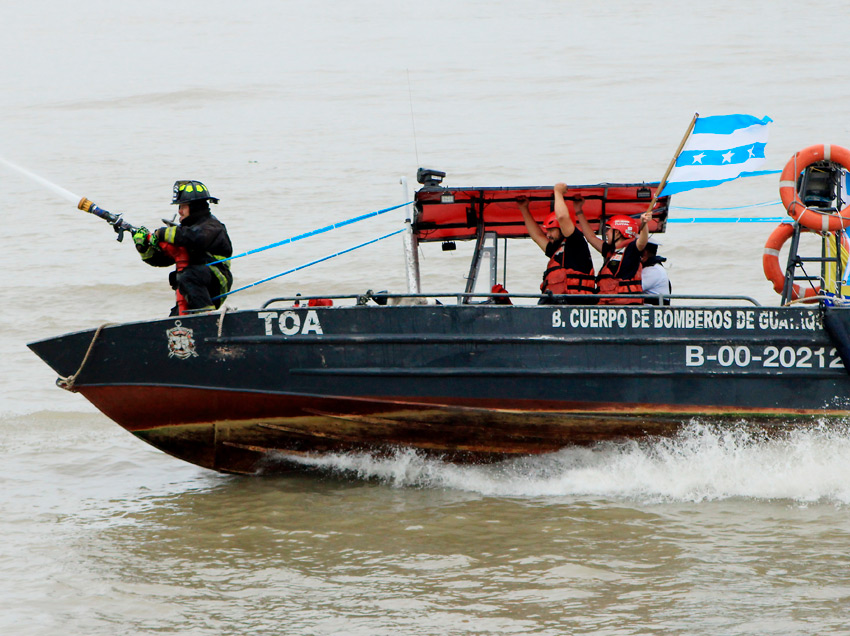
(186, 191)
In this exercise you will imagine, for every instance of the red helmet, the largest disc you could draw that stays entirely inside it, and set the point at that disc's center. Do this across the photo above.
(550, 222)
(627, 226)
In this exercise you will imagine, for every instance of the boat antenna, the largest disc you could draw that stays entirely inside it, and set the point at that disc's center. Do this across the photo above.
(412, 118)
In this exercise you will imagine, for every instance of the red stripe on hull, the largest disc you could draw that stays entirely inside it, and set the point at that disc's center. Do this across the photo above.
(236, 431)
(146, 407)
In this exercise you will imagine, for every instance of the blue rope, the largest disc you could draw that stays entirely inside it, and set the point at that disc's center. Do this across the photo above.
(740, 219)
(324, 258)
(321, 230)
(334, 226)
(370, 215)
(736, 207)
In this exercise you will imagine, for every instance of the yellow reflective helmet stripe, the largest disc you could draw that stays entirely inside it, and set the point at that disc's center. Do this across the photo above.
(192, 186)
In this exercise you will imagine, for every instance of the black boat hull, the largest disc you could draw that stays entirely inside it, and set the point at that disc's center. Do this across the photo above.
(240, 392)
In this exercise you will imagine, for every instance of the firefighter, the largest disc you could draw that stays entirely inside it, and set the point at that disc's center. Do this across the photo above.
(205, 240)
(625, 239)
(569, 272)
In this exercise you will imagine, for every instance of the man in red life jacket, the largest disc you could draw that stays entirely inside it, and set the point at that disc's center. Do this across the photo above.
(206, 241)
(570, 268)
(625, 239)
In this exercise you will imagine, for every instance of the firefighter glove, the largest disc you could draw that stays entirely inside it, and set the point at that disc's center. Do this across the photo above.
(143, 239)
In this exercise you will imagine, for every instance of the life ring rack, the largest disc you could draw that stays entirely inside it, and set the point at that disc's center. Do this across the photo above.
(807, 217)
(773, 270)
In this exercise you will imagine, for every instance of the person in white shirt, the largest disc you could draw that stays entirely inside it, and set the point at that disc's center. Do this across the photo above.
(654, 276)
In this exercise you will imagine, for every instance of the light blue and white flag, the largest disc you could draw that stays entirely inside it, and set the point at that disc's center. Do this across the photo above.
(720, 149)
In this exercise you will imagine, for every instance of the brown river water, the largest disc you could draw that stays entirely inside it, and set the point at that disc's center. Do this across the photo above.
(299, 115)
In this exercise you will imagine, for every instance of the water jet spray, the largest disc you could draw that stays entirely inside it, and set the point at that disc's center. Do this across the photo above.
(115, 220)
(65, 194)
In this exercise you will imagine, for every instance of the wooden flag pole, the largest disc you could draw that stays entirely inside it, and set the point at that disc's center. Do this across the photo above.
(673, 162)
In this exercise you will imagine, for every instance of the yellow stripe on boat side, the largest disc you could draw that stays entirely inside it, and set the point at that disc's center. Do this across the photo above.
(830, 274)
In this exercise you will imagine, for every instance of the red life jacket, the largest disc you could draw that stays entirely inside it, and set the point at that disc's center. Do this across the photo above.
(609, 282)
(563, 280)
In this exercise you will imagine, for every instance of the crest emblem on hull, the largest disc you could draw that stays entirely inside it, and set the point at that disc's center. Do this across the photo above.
(181, 343)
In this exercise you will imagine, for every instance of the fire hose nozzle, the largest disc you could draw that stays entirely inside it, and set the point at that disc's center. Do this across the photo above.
(85, 205)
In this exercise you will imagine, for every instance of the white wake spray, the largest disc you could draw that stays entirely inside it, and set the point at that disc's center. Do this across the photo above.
(704, 462)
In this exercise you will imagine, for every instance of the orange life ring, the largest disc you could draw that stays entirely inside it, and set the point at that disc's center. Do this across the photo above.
(812, 219)
(770, 262)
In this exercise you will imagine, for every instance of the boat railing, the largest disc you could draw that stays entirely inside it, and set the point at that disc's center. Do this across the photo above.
(499, 299)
